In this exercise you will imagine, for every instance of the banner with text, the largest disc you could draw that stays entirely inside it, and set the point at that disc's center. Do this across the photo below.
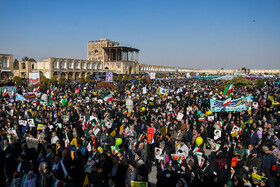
(239, 104)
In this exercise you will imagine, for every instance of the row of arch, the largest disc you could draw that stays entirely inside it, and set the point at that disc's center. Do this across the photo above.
(57, 64)
(71, 75)
(157, 69)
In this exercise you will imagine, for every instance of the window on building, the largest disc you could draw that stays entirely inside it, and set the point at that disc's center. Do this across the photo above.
(23, 65)
(4, 62)
(32, 66)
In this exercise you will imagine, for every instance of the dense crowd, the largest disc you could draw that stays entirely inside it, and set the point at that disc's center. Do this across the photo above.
(82, 137)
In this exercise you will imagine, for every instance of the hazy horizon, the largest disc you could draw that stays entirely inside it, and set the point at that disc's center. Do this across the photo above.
(190, 34)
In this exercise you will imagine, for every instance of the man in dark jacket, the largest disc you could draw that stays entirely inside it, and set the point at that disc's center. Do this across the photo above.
(253, 137)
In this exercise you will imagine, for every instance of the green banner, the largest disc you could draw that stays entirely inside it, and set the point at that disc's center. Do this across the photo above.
(239, 104)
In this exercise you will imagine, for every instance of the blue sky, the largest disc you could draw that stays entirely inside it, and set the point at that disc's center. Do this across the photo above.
(187, 33)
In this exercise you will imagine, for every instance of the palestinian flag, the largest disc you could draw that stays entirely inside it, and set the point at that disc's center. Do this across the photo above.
(107, 97)
(180, 160)
(124, 112)
(116, 149)
(229, 89)
(140, 137)
(5, 92)
(201, 118)
(227, 101)
(196, 149)
(57, 183)
(132, 88)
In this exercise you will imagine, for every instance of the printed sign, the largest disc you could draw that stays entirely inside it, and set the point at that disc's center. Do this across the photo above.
(176, 156)
(109, 76)
(139, 184)
(22, 122)
(34, 78)
(32, 143)
(158, 152)
(235, 105)
(152, 75)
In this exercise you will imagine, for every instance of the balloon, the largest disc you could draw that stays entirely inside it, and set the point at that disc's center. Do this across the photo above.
(118, 141)
(221, 93)
(252, 97)
(143, 109)
(198, 112)
(209, 112)
(262, 101)
(64, 102)
(199, 141)
(100, 150)
(133, 81)
(52, 94)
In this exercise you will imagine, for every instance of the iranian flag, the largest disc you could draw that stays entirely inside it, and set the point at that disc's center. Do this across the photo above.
(98, 122)
(140, 137)
(5, 92)
(229, 89)
(227, 101)
(49, 91)
(84, 123)
(116, 149)
(180, 160)
(77, 91)
(107, 97)
(13, 93)
(86, 85)
(100, 90)
(220, 123)
(132, 88)
(124, 112)
(57, 183)
(201, 118)
(36, 90)
(187, 93)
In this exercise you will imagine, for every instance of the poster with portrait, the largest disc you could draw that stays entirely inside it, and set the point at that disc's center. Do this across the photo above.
(217, 134)
(158, 152)
(109, 76)
(22, 123)
(31, 122)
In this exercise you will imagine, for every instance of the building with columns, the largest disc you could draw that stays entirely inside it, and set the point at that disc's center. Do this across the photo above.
(115, 58)
(6, 66)
(102, 56)
(59, 67)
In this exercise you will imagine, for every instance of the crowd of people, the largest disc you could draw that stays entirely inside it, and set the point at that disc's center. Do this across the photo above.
(87, 135)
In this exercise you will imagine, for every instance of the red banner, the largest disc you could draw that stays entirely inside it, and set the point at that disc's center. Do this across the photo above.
(150, 134)
(234, 161)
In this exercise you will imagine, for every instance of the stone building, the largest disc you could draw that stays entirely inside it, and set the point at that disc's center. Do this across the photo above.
(6, 66)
